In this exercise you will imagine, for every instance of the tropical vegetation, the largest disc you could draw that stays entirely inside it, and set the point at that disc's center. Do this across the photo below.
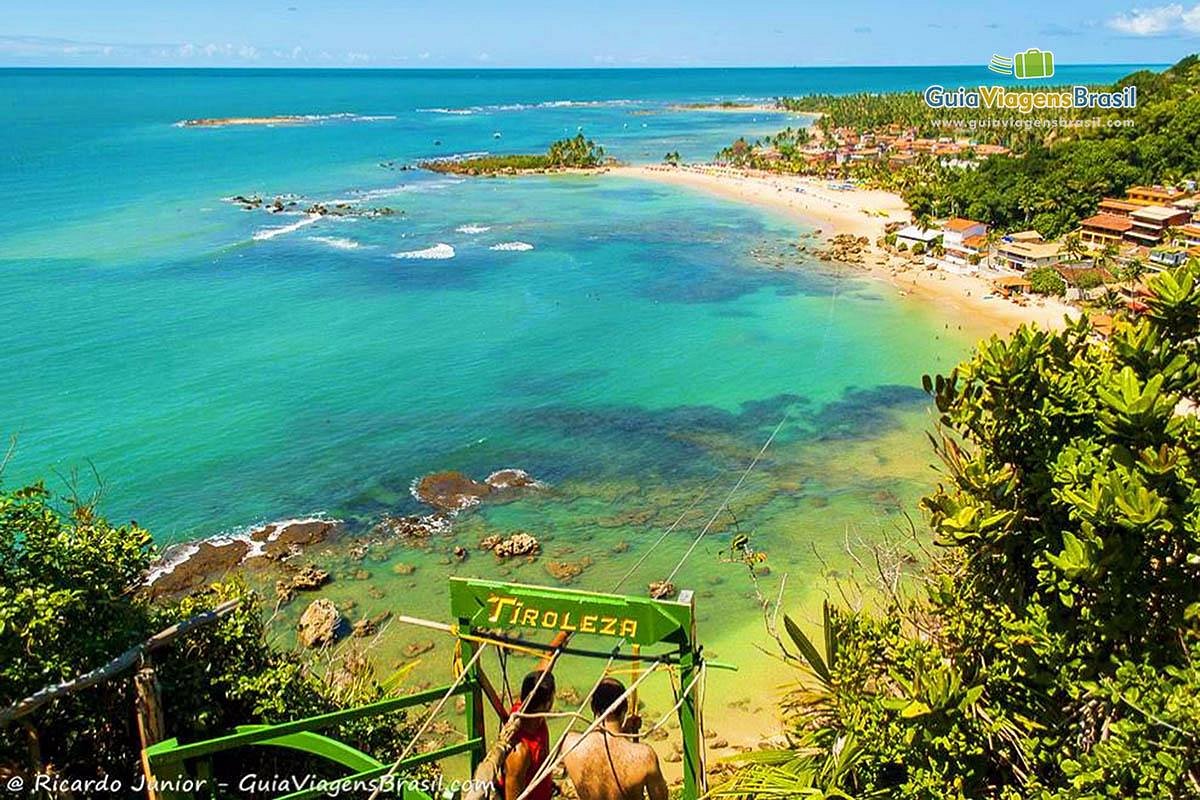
(71, 601)
(577, 152)
(1050, 648)
(1055, 175)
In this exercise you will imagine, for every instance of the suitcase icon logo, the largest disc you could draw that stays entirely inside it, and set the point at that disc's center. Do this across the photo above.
(1033, 63)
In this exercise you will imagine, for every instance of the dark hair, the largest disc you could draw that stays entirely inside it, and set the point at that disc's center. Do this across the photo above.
(607, 692)
(545, 693)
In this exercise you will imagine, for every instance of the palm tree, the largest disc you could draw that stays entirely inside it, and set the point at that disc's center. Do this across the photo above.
(992, 236)
(1107, 256)
(1132, 272)
(1074, 248)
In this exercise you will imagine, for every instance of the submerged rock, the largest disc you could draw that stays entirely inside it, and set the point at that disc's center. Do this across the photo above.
(510, 479)
(321, 624)
(450, 490)
(413, 528)
(519, 544)
(567, 571)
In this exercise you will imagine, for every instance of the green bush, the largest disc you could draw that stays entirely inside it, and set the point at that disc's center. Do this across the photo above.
(1046, 280)
(69, 603)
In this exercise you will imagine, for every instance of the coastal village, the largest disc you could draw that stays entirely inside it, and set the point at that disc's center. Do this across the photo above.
(1098, 269)
(1100, 266)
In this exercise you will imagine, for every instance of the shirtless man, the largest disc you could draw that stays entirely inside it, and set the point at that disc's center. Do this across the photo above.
(606, 766)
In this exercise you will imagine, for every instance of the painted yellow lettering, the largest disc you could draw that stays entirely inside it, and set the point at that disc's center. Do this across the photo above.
(608, 626)
(629, 628)
(530, 617)
(588, 623)
(498, 605)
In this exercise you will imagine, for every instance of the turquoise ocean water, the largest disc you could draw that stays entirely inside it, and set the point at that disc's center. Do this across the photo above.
(627, 343)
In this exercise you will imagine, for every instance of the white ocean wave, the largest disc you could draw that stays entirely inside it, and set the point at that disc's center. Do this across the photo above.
(179, 554)
(473, 228)
(270, 233)
(468, 110)
(336, 242)
(438, 252)
(513, 246)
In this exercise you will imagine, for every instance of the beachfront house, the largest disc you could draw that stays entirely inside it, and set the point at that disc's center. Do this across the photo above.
(964, 240)
(1026, 250)
(1104, 229)
(909, 237)
(1150, 224)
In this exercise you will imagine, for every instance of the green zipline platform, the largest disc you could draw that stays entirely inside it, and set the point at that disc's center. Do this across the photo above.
(635, 629)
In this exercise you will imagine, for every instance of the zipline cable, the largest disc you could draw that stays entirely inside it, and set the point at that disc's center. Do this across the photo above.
(437, 709)
(687, 554)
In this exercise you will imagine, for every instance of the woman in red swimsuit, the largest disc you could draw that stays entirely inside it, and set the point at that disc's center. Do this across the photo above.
(533, 741)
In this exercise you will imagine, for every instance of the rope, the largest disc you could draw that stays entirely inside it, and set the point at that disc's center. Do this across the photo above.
(703, 493)
(550, 766)
(408, 748)
(728, 497)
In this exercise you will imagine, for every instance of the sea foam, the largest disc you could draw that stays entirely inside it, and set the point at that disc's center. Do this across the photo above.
(513, 246)
(336, 242)
(438, 252)
(271, 233)
(472, 228)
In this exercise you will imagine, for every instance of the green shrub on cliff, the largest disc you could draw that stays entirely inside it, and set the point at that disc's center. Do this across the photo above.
(69, 603)
(1052, 649)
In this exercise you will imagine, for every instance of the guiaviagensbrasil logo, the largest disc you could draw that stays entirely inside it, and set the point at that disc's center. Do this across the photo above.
(1033, 63)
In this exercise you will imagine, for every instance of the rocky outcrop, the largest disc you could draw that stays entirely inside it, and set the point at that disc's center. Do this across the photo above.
(450, 490)
(846, 248)
(321, 624)
(567, 571)
(510, 478)
(662, 590)
(411, 527)
(519, 544)
(306, 579)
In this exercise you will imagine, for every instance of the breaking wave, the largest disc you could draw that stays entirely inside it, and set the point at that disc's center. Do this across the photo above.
(438, 252)
(336, 242)
(512, 246)
(270, 233)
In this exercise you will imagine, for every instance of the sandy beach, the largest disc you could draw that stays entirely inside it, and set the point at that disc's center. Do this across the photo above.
(864, 212)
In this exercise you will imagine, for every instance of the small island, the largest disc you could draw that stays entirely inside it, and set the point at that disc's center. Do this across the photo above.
(577, 153)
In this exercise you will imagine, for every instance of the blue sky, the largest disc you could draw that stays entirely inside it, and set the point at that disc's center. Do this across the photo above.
(621, 33)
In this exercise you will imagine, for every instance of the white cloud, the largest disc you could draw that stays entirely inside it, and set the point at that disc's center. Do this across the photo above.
(1158, 21)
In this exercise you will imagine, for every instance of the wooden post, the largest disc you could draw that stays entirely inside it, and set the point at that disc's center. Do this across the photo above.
(637, 672)
(152, 727)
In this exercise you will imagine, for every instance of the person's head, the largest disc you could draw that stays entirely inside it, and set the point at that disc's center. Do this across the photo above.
(541, 699)
(608, 691)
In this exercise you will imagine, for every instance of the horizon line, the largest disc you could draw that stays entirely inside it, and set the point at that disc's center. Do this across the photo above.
(499, 68)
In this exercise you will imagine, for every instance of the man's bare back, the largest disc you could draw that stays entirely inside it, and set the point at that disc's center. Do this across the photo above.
(607, 767)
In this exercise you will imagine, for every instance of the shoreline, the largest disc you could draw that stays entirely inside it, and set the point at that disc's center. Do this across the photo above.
(862, 213)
